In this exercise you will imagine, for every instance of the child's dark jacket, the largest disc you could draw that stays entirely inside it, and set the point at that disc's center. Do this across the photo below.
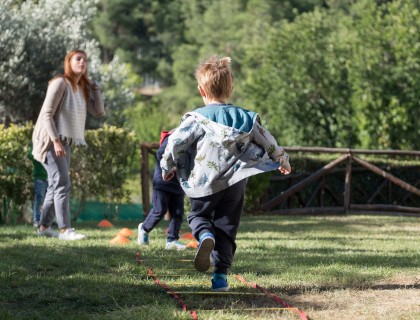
(172, 185)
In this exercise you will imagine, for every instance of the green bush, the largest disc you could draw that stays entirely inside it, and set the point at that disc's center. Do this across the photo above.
(98, 171)
(15, 170)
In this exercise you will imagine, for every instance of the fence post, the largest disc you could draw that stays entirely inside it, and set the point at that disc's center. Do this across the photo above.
(4, 210)
(347, 185)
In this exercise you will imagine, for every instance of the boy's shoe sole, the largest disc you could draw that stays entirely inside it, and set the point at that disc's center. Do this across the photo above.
(224, 289)
(202, 257)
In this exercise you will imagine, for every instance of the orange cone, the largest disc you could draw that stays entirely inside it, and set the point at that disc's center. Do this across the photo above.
(119, 239)
(192, 244)
(187, 236)
(125, 232)
(105, 224)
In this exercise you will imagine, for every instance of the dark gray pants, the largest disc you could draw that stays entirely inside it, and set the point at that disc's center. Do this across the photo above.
(220, 214)
(57, 198)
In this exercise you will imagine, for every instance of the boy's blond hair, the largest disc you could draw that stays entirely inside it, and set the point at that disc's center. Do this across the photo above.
(215, 77)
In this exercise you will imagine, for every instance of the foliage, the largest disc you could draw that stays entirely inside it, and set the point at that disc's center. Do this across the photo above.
(148, 119)
(119, 85)
(256, 191)
(335, 79)
(226, 29)
(301, 85)
(98, 171)
(34, 37)
(385, 72)
(143, 33)
(164, 40)
(15, 170)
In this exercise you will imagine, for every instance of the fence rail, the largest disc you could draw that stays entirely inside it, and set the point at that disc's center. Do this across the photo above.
(278, 204)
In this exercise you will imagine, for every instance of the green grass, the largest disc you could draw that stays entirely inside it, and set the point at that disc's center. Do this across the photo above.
(44, 278)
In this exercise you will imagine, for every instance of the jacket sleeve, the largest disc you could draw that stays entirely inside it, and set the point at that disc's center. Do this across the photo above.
(55, 92)
(95, 105)
(264, 138)
(177, 151)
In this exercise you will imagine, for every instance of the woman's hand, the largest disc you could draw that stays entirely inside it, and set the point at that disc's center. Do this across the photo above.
(59, 148)
(94, 85)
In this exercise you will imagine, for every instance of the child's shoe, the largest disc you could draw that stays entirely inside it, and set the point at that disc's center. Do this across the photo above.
(47, 233)
(71, 235)
(143, 236)
(219, 282)
(202, 257)
(170, 245)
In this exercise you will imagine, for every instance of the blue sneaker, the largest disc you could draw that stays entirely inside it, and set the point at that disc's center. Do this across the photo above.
(219, 282)
(143, 236)
(202, 257)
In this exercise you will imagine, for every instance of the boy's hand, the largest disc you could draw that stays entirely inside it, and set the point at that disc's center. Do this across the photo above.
(285, 171)
(168, 176)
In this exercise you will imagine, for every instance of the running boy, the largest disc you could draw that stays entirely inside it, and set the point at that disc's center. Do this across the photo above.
(214, 150)
(166, 195)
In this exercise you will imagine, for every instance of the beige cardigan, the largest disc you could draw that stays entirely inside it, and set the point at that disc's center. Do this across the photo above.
(45, 131)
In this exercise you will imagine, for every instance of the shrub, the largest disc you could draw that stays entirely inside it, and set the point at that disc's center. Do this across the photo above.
(15, 170)
(97, 171)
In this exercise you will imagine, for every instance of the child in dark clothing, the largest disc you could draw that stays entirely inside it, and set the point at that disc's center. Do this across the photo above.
(214, 150)
(167, 195)
(40, 187)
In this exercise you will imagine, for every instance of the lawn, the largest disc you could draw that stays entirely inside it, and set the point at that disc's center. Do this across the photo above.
(329, 267)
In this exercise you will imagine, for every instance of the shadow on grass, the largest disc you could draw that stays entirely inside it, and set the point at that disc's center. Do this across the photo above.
(45, 281)
(305, 224)
(93, 280)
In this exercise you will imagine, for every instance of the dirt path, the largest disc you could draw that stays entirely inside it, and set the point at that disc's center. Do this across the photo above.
(370, 304)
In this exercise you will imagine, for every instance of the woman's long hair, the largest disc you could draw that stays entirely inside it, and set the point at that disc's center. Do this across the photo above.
(84, 82)
(69, 74)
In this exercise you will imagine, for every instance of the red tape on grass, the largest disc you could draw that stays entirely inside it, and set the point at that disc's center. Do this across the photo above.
(273, 296)
(166, 287)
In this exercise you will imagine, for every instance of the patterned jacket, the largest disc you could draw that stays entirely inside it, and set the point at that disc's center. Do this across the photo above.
(218, 145)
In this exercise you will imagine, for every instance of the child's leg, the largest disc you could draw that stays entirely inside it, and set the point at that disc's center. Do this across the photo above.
(160, 206)
(200, 218)
(40, 187)
(227, 216)
(176, 209)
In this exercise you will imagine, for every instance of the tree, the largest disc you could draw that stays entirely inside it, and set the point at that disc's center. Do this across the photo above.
(342, 78)
(301, 84)
(36, 35)
(225, 28)
(142, 33)
(385, 73)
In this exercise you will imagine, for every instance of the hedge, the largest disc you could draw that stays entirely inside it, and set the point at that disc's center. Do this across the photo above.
(97, 171)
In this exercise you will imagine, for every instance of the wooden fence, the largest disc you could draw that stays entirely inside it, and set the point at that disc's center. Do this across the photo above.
(281, 204)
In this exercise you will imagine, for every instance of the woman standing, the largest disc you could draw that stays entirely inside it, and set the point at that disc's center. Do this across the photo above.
(61, 123)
